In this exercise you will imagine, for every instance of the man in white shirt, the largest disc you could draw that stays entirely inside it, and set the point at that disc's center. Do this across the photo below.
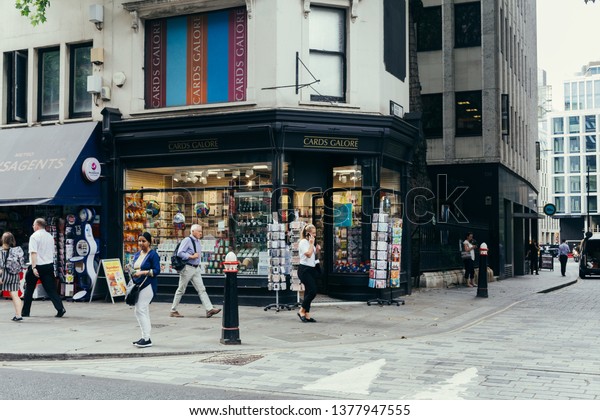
(41, 257)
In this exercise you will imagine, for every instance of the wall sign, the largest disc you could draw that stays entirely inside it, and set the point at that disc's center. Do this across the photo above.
(320, 142)
(91, 169)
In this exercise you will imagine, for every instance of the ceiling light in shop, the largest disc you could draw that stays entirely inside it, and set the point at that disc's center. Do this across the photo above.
(343, 178)
(203, 180)
(260, 167)
(220, 174)
(249, 173)
(235, 173)
(194, 179)
(177, 177)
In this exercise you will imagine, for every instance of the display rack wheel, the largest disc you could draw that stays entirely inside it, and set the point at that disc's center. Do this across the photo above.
(368, 303)
(266, 309)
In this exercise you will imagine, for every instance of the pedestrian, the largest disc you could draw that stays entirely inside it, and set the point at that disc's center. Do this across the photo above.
(41, 257)
(533, 255)
(308, 250)
(563, 256)
(13, 262)
(146, 266)
(190, 250)
(470, 247)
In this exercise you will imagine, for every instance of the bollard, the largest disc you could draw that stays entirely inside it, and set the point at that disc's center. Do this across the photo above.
(482, 288)
(230, 333)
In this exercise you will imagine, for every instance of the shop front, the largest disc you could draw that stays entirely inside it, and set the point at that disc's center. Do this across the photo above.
(53, 172)
(234, 174)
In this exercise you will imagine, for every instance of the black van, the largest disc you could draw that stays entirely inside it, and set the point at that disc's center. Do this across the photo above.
(589, 264)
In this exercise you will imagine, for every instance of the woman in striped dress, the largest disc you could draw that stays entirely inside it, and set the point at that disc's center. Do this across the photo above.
(11, 264)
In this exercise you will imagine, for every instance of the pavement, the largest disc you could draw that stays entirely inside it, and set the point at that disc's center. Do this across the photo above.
(95, 330)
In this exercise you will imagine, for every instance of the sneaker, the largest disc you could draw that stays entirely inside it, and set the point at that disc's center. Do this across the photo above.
(143, 343)
(17, 319)
(137, 342)
(212, 312)
(175, 314)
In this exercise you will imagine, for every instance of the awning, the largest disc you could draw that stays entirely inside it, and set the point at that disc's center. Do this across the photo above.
(43, 165)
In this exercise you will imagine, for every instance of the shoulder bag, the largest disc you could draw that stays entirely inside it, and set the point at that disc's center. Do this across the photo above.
(132, 292)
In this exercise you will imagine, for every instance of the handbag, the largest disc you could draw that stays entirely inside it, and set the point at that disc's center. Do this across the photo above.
(465, 255)
(132, 292)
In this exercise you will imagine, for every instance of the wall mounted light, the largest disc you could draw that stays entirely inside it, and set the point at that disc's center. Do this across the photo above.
(97, 15)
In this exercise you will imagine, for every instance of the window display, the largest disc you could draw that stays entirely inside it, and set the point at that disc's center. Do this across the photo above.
(347, 233)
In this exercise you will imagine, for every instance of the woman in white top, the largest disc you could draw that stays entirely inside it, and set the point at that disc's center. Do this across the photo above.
(469, 267)
(307, 271)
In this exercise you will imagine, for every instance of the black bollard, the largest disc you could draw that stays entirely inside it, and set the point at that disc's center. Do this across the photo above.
(230, 333)
(482, 287)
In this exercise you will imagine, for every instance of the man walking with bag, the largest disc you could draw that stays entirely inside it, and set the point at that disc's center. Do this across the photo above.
(190, 250)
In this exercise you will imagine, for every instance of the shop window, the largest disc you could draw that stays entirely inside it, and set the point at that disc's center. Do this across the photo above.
(429, 29)
(468, 113)
(432, 115)
(80, 101)
(16, 79)
(197, 59)
(467, 25)
(48, 83)
(327, 41)
(232, 203)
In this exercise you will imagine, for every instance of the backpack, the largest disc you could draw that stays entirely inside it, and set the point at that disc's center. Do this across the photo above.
(177, 262)
(13, 263)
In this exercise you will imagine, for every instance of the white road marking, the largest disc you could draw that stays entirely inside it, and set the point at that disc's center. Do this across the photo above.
(449, 389)
(356, 380)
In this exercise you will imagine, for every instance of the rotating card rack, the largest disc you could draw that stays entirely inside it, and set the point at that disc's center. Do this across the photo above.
(280, 265)
(386, 247)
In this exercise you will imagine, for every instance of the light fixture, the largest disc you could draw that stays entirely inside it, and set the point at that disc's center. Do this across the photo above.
(97, 15)
(235, 173)
(249, 173)
(194, 179)
(250, 183)
(177, 177)
(203, 180)
(260, 167)
(343, 178)
(220, 174)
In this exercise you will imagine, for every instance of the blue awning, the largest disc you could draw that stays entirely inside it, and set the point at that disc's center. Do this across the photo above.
(43, 165)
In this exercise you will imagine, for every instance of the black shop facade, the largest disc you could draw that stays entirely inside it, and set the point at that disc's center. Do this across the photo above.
(238, 174)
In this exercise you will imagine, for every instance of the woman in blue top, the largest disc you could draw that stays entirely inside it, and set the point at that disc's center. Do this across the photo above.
(146, 266)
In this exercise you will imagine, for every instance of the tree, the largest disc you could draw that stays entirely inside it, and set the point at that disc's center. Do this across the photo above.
(35, 10)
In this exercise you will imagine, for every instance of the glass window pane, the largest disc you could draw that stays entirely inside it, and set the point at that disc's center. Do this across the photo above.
(50, 85)
(329, 70)
(327, 29)
(593, 184)
(558, 126)
(467, 25)
(559, 165)
(574, 164)
(596, 93)
(581, 95)
(574, 144)
(574, 124)
(593, 204)
(574, 95)
(590, 143)
(559, 143)
(429, 29)
(468, 113)
(576, 204)
(560, 204)
(432, 115)
(567, 96)
(559, 184)
(82, 68)
(589, 99)
(591, 163)
(574, 184)
(590, 123)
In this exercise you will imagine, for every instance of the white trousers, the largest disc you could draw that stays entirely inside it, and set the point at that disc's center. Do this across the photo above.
(192, 274)
(142, 311)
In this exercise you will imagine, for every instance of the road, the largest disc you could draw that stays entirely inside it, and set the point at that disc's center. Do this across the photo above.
(543, 347)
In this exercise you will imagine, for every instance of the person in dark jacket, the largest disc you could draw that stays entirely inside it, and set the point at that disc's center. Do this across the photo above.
(146, 267)
(533, 254)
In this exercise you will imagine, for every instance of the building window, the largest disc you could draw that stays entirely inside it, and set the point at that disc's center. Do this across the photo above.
(558, 126)
(590, 143)
(567, 96)
(467, 25)
(196, 59)
(328, 53)
(574, 166)
(48, 83)
(574, 184)
(468, 113)
(592, 183)
(432, 115)
(429, 29)
(574, 124)
(590, 162)
(574, 96)
(559, 184)
(575, 204)
(559, 165)
(560, 204)
(590, 123)
(593, 204)
(16, 72)
(80, 101)
(596, 93)
(559, 145)
(574, 144)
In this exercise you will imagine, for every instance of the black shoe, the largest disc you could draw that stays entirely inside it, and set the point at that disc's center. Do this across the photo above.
(143, 343)
(141, 340)
(25, 315)
(17, 319)
(60, 313)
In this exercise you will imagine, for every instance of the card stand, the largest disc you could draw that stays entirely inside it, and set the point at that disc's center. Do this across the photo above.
(280, 265)
(386, 235)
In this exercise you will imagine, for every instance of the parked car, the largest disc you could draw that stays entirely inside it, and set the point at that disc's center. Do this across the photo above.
(589, 258)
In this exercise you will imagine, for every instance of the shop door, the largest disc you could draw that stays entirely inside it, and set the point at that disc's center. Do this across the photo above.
(318, 212)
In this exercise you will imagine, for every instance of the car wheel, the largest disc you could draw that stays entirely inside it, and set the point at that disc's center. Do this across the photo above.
(581, 274)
